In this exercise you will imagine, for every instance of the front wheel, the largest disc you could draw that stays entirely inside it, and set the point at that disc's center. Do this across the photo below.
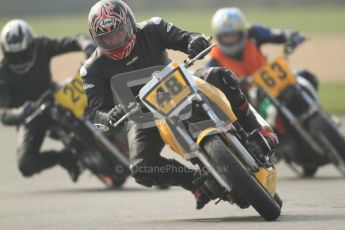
(330, 138)
(118, 182)
(243, 183)
(309, 171)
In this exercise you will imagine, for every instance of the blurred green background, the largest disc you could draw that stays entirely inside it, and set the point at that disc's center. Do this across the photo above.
(312, 20)
(313, 17)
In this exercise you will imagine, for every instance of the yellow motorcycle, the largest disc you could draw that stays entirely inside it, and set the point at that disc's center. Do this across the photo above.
(310, 138)
(66, 104)
(197, 122)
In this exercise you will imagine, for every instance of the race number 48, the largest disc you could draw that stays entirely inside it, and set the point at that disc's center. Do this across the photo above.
(173, 88)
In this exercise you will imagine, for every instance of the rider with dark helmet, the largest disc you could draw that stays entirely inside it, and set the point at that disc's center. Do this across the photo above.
(124, 46)
(24, 76)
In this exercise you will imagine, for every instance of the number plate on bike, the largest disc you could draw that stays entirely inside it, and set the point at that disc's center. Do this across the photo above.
(168, 93)
(72, 96)
(275, 77)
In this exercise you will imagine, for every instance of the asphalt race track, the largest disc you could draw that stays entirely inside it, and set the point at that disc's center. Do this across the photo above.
(51, 201)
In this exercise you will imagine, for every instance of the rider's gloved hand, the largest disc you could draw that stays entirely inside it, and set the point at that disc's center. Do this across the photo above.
(262, 142)
(270, 137)
(115, 114)
(25, 110)
(294, 39)
(86, 44)
(89, 49)
(18, 115)
(196, 45)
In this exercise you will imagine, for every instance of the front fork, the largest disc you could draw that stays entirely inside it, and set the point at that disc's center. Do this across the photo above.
(297, 123)
(193, 150)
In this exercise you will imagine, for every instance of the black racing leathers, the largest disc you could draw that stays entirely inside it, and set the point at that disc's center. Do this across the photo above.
(153, 38)
(16, 89)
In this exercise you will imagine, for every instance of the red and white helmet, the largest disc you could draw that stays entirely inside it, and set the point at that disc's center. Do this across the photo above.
(112, 26)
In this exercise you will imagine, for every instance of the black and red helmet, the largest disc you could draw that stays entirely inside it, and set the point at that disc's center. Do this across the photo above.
(112, 26)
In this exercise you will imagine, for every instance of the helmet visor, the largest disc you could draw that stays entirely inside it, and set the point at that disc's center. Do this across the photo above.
(230, 39)
(115, 39)
(21, 57)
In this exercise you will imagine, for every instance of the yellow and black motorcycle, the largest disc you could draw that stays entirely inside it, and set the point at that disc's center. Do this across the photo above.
(310, 138)
(66, 106)
(197, 122)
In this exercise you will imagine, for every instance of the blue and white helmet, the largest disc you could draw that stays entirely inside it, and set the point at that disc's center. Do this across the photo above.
(228, 21)
(16, 41)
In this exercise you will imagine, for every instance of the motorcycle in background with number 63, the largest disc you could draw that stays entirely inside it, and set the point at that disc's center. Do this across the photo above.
(309, 137)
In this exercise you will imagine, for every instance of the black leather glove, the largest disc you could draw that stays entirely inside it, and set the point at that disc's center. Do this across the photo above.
(270, 137)
(261, 144)
(18, 115)
(89, 49)
(115, 114)
(28, 108)
(86, 44)
(197, 45)
(294, 39)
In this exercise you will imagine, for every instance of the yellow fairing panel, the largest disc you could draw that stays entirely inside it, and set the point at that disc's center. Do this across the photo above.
(215, 95)
(268, 179)
(72, 96)
(169, 138)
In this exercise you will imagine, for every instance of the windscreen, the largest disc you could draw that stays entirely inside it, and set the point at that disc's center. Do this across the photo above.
(126, 86)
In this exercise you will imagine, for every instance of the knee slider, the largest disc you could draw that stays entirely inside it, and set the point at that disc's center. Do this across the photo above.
(140, 171)
(27, 169)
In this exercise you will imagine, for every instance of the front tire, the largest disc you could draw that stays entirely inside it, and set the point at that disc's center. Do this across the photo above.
(309, 171)
(329, 136)
(236, 174)
(118, 183)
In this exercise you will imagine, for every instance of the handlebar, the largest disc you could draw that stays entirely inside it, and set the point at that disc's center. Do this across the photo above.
(189, 62)
(133, 107)
(42, 104)
(292, 44)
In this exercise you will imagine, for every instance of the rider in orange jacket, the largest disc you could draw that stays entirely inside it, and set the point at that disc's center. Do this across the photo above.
(238, 44)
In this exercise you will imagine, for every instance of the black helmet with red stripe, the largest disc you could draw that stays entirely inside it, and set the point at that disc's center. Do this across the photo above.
(112, 26)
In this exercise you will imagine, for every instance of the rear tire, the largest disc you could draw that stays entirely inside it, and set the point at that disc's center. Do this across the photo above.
(236, 174)
(309, 171)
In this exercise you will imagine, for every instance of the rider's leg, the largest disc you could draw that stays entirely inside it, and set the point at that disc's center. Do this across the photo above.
(227, 82)
(148, 167)
(30, 159)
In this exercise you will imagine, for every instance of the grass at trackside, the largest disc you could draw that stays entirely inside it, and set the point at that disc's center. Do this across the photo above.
(312, 20)
(332, 97)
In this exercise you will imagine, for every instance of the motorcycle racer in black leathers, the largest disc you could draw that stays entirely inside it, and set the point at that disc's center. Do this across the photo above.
(125, 46)
(24, 76)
